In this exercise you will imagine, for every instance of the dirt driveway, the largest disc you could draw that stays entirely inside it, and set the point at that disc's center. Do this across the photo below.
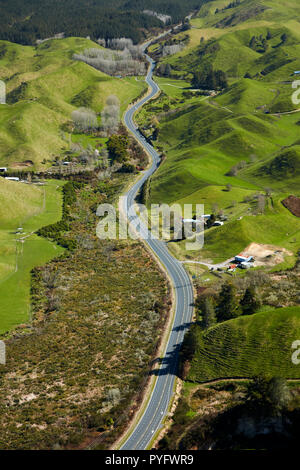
(266, 255)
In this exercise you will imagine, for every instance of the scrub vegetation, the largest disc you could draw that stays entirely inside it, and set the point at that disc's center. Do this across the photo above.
(75, 372)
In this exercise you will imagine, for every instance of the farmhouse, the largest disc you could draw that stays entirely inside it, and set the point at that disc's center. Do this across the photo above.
(193, 221)
(243, 259)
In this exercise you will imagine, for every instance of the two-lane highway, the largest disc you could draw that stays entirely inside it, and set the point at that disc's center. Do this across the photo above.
(158, 404)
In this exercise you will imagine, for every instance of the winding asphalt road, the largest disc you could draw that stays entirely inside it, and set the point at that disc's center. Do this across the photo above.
(157, 407)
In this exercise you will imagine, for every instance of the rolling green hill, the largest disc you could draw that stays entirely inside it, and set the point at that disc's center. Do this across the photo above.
(246, 138)
(283, 169)
(247, 346)
(44, 85)
(207, 141)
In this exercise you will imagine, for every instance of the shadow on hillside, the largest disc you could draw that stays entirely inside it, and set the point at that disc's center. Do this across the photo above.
(181, 286)
(182, 327)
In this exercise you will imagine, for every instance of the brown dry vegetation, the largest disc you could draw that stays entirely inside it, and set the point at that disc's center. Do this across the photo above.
(197, 408)
(219, 416)
(98, 313)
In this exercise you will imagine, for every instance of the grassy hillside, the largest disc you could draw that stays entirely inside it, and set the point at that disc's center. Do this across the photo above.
(44, 85)
(208, 140)
(247, 346)
(276, 226)
(29, 207)
(223, 150)
(24, 201)
(283, 169)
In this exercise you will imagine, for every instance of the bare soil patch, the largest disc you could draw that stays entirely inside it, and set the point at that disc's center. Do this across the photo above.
(25, 164)
(266, 255)
(292, 203)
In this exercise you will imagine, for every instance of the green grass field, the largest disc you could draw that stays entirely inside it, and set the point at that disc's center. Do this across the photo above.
(44, 85)
(248, 346)
(29, 207)
(172, 87)
(277, 226)
(206, 139)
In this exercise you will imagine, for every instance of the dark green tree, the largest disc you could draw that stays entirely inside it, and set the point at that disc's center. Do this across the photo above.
(210, 222)
(221, 79)
(186, 26)
(249, 303)
(208, 313)
(117, 146)
(189, 344)
(268, 393)
(265, 45)
(168, 70)
(228, 306)
(209, 79)
(253, 43)
(283, 38)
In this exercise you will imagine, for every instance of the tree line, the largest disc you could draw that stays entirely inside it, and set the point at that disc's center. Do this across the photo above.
(101, 19)
(227, 305)
(119, 62)
(210, 79)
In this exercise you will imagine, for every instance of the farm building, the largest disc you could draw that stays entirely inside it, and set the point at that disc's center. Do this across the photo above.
(193, 221)
(218, 223)
(245, 265)
(232, 267)
(243, 259)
